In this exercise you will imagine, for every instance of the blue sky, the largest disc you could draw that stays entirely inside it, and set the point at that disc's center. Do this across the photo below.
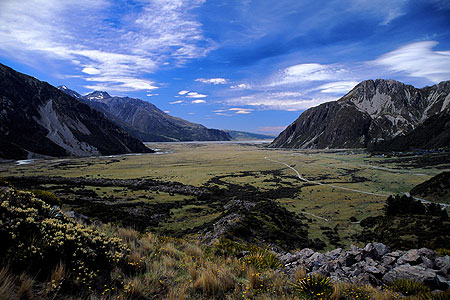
(251, 65)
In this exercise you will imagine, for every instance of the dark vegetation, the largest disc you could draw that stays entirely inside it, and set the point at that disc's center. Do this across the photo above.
(436, 189)
(265, 222)
(407, 223)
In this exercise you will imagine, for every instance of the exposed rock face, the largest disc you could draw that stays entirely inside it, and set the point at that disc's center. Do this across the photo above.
(373, 113)
(36, 119)
(374, 264)
(147, 122)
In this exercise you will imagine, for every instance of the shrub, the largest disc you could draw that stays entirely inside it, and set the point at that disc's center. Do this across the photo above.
(443, 251)
(33, 240)
(48, 197)
(226, 247)
(408, 287)
(314, 287)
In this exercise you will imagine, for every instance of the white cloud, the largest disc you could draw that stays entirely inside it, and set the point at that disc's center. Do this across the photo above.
(198, 101)
(91, 71)
(307, 73)
(151, 95)
(176, 102)
(214, 81)
(195, 95)
(240, 86)
(223, 114)
(121, 84)
(278, 101)
(183, 92)
(78, 32)
(338, 87)
(418, 60)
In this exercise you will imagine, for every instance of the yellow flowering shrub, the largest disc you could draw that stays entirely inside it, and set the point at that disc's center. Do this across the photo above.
(37, 238)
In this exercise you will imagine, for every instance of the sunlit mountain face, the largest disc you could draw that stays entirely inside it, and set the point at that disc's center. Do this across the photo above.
(240, 65)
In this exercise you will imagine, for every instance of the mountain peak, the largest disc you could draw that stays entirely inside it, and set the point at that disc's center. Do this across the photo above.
(98, 95)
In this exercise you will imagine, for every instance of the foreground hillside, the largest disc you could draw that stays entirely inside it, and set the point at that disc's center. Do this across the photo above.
(47, 255)
(36, 120)
(145, 121)
(383, 115)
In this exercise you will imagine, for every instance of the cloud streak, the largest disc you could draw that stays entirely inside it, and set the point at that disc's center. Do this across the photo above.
(79, 32)
(214, 81)
(418, 60)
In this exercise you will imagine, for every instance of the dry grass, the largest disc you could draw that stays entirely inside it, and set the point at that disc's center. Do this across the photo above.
(193, 250)
(300, 273)
(7, 285)
(213, 279)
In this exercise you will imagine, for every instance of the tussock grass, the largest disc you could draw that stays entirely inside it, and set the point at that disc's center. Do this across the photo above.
(121, 263)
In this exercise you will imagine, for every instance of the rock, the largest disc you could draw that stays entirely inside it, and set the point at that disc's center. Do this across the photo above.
(442, 282)
(410, 257)
(334, 254)
(417, 273)
(388, 260)
(381, 249)
(306, 252)
(427, 263)
(314, 260)
(443, 264)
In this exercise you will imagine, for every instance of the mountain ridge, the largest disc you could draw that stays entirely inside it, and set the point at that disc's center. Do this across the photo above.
(37, 119)
(374, 112)
(147, 122)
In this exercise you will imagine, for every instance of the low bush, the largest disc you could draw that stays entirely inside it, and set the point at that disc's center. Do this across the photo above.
(48, 197)
(39, 239)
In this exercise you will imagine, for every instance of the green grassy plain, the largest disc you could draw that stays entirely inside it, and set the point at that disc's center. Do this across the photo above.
(324, 206)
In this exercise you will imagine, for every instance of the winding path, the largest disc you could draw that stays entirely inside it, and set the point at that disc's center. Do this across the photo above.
(344, 188)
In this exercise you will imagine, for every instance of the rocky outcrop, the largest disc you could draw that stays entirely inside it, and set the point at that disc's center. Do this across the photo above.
(145, 121)
(371, 115)
(374, 264)
(38, 120)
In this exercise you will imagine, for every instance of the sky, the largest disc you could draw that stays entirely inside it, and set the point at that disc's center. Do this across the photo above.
(250, 65)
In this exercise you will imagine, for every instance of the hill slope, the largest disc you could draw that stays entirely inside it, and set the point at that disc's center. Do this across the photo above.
(36, 119)
(147, 122)
(374, 113)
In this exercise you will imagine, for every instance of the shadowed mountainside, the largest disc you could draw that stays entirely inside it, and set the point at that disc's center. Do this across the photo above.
(36, 119)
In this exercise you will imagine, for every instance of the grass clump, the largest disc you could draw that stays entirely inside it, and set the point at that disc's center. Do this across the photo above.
(408, 287)
(262, 259)
(314, 287)
(356, 292)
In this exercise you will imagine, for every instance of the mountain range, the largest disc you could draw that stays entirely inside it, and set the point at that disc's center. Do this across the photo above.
(38, 120)
(381, 115)
(145, 121)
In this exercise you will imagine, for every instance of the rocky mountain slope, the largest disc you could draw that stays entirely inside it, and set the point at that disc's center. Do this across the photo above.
(377, 114)
(247, 136)
(147, 122)
(36, 119)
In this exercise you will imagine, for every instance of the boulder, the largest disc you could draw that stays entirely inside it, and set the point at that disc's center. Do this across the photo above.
(417, 273)
(442, 263)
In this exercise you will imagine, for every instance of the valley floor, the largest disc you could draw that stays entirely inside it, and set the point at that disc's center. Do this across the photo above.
(330, 190)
